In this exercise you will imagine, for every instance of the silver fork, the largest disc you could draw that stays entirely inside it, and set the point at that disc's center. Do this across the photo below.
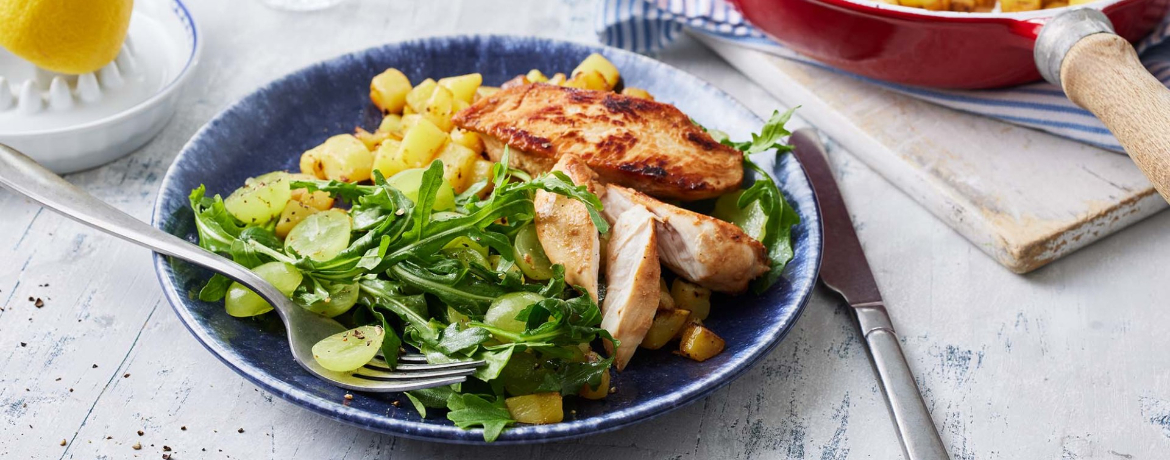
(25, 177)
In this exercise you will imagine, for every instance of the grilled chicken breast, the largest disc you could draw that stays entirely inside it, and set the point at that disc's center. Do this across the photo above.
(631, 282)
(647, 145)
(702, 249)
(565, 230)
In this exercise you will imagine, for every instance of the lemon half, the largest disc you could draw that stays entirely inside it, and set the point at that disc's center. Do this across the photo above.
(66, 36)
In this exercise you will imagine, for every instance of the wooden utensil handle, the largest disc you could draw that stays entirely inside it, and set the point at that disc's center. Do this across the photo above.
(1102, 73)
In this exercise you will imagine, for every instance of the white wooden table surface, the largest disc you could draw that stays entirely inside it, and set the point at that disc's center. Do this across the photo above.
(1068, 362)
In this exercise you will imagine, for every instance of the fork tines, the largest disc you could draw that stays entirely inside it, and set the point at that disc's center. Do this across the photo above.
(413, 373)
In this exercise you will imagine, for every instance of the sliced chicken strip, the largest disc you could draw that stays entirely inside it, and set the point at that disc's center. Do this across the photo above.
(702, 249)
(565, 230)
(631, 282)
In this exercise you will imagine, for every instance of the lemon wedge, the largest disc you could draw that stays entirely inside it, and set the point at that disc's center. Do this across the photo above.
(66, 36)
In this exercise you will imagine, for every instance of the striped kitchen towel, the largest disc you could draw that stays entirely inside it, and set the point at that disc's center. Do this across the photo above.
(649, 25)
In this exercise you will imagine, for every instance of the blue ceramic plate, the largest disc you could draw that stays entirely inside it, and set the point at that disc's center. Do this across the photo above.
(269, 129)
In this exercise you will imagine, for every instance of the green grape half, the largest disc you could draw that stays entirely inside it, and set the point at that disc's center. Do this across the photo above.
(321, 236)
(530, 254)
(502, 313)
(751, 219)
(409, 181)
(261, 199)
(342, 297)
(241, 302)
(349, 350)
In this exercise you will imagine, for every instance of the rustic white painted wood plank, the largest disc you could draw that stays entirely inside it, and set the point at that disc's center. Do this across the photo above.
(1063, 363)
(1026, 198)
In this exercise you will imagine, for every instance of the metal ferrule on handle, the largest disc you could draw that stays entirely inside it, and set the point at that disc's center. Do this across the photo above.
(1101, 72)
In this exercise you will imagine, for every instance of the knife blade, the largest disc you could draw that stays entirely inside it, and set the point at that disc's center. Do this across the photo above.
(844, 269)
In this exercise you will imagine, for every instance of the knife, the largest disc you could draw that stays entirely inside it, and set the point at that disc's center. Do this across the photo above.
(845, 270)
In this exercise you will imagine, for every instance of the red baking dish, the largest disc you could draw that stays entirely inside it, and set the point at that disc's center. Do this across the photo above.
(928, 48)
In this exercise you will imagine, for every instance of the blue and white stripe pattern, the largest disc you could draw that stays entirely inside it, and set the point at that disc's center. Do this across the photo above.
(649, 25)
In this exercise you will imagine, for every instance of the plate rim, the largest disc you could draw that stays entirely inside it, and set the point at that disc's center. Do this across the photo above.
(425, 431)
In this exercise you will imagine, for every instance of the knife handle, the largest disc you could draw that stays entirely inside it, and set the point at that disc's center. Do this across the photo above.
(916, 430)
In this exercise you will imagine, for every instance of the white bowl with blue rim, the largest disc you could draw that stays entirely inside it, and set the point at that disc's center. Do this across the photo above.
(71, 123)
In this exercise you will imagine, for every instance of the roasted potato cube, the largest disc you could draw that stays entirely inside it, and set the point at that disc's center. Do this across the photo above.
(590, 79)
(294, 212)
(536, 76)
(666, 325)
(637, 92)
(665, 301)
(537, 409)
(912, 3)
(439, 108)
(693, 298)
(1008, 6)
(601, 65)
(469, 139)
(965, 6)
(602, 389)
(458, 106)
(557, 79)
(392, 125)
(462, 87)
(1080, 2)
(408, 121)
(318, 200)
(342, 157)
(388, 159)
(699, 343)
(311, 165)
(1047, 4)
(417, 98)
(937, 5)
(458, 165)
(421, 143)
(482, 171)
(388, 90)
(370, 139)
(485, 91)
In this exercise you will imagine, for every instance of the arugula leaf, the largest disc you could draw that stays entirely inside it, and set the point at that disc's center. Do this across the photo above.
(557, 182)
(434, 398)
(772, 133)
(770, 138)
(215, 289)
(468, 410)
(449, 282)
(217, 228)
(495, 358)
(457, 340)
(777, 229)
(412, 309)
(428, 189)
(243, 248)
(573, 376)
(391, 342)
(556, 322)
(780, 215)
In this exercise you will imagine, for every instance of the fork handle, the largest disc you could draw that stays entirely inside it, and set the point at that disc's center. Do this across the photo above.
(24, 176)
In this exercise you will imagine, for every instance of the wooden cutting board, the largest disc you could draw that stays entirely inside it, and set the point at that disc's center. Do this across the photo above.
(1022, 196)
